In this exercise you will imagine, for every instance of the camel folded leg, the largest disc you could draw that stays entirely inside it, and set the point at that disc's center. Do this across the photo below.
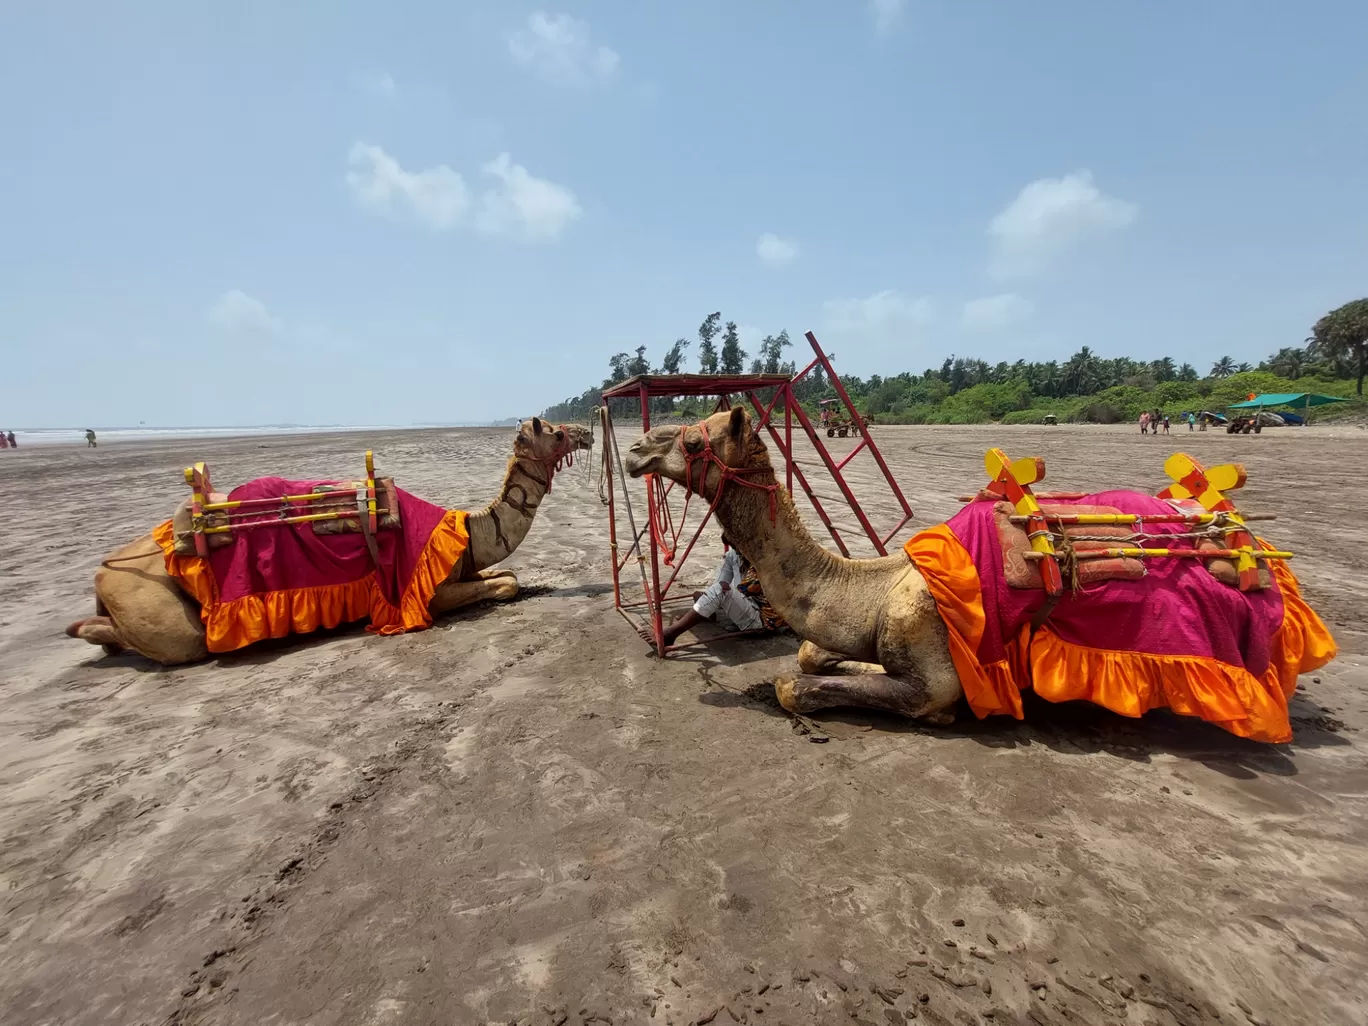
(912, 698)
(488, 586)
(98, 630)
(145, 607)
(814, 659)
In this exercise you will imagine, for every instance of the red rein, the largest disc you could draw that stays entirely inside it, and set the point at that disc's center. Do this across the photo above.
(664, 526)
(564, 456)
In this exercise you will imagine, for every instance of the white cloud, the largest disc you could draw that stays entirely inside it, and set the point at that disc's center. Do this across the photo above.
(882, 316)
(237, 313)
(774, 251)
(524, 205)
(885, 14)
(1049, 216)
(558, 48)
(380, 84)
(989, 313)
(520, 204)
(436, 196)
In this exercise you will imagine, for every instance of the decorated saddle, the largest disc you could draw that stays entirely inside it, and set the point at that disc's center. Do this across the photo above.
(1129, 601)
(276, 557)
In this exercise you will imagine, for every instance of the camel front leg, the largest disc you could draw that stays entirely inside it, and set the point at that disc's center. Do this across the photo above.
(488, 586)
(816, 660)
(810, 693)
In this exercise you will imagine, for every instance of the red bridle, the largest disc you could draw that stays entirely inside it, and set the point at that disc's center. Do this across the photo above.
(564, 456)
(664, 522)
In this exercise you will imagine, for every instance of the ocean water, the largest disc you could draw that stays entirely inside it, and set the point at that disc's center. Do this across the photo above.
(113, 436)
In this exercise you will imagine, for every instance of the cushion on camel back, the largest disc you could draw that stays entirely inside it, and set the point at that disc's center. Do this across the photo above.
(386, 504)
(1025, 573)
(1223, 570)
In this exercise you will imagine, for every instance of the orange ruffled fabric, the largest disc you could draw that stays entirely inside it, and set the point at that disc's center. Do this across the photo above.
(233, 625)
(1128, 683)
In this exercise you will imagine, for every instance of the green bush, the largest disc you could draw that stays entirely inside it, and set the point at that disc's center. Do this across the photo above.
(1098, 412)
(1032, 416)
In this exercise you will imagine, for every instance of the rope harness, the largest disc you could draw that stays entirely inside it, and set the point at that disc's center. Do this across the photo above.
(663, 520)
(564, 456)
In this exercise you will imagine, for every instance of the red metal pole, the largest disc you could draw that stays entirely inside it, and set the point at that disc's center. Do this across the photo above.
(657, 616)
(679, 565)
(767, 411)
(606, 419)
(788, 436)
(864, 428)
(807, 488)
(804, 372)
(852, 454)
(840, 480)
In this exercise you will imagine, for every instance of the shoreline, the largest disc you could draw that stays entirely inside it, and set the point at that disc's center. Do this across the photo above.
(45, 438)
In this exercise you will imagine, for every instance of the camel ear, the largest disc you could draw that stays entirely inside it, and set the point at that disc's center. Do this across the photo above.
(737, 424)
(536, 425)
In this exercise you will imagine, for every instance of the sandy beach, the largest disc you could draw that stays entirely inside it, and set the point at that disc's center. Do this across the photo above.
(521, 816)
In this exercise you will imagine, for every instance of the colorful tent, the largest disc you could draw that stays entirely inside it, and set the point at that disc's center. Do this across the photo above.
(1294, 399)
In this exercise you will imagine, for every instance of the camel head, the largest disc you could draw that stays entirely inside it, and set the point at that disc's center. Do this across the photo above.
(730, 435)
(544, 442)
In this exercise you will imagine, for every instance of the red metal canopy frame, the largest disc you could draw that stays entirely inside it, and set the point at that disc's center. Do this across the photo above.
(660, 517)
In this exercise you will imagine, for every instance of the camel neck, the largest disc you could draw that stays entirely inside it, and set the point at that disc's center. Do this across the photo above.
(827, 599)
(498, 529)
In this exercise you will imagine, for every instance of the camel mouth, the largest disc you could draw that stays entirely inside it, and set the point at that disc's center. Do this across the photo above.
(635, 464)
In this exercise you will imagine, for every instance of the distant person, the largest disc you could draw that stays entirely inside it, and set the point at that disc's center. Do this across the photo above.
(1166, 423)
(1192, 421)
(90, 439)
(4, 443)
(1144, 423)
(13, 444)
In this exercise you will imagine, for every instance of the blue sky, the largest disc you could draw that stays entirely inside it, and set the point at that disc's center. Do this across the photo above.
(437, 212)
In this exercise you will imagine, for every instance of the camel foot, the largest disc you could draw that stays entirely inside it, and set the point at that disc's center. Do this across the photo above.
(809, 693)
(98, 630)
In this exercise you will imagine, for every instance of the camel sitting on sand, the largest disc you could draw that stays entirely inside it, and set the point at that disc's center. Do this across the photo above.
(142, 607)
(907, 633)
(871, 632)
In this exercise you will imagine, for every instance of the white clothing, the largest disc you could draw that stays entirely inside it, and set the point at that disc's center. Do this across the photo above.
(728, 606)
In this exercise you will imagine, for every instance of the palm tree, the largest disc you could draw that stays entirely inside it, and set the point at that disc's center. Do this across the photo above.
(1187, 372)
(1344, 332)
(1243, 368)
(1164, 370)
(1081, 372)
(1290, 362)
(1223, 368)
(1051, 378)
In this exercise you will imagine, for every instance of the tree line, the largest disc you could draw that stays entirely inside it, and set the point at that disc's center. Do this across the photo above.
(719, 352)
(964, 390)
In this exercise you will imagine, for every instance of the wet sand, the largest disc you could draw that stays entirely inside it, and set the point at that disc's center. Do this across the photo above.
(520, 816)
